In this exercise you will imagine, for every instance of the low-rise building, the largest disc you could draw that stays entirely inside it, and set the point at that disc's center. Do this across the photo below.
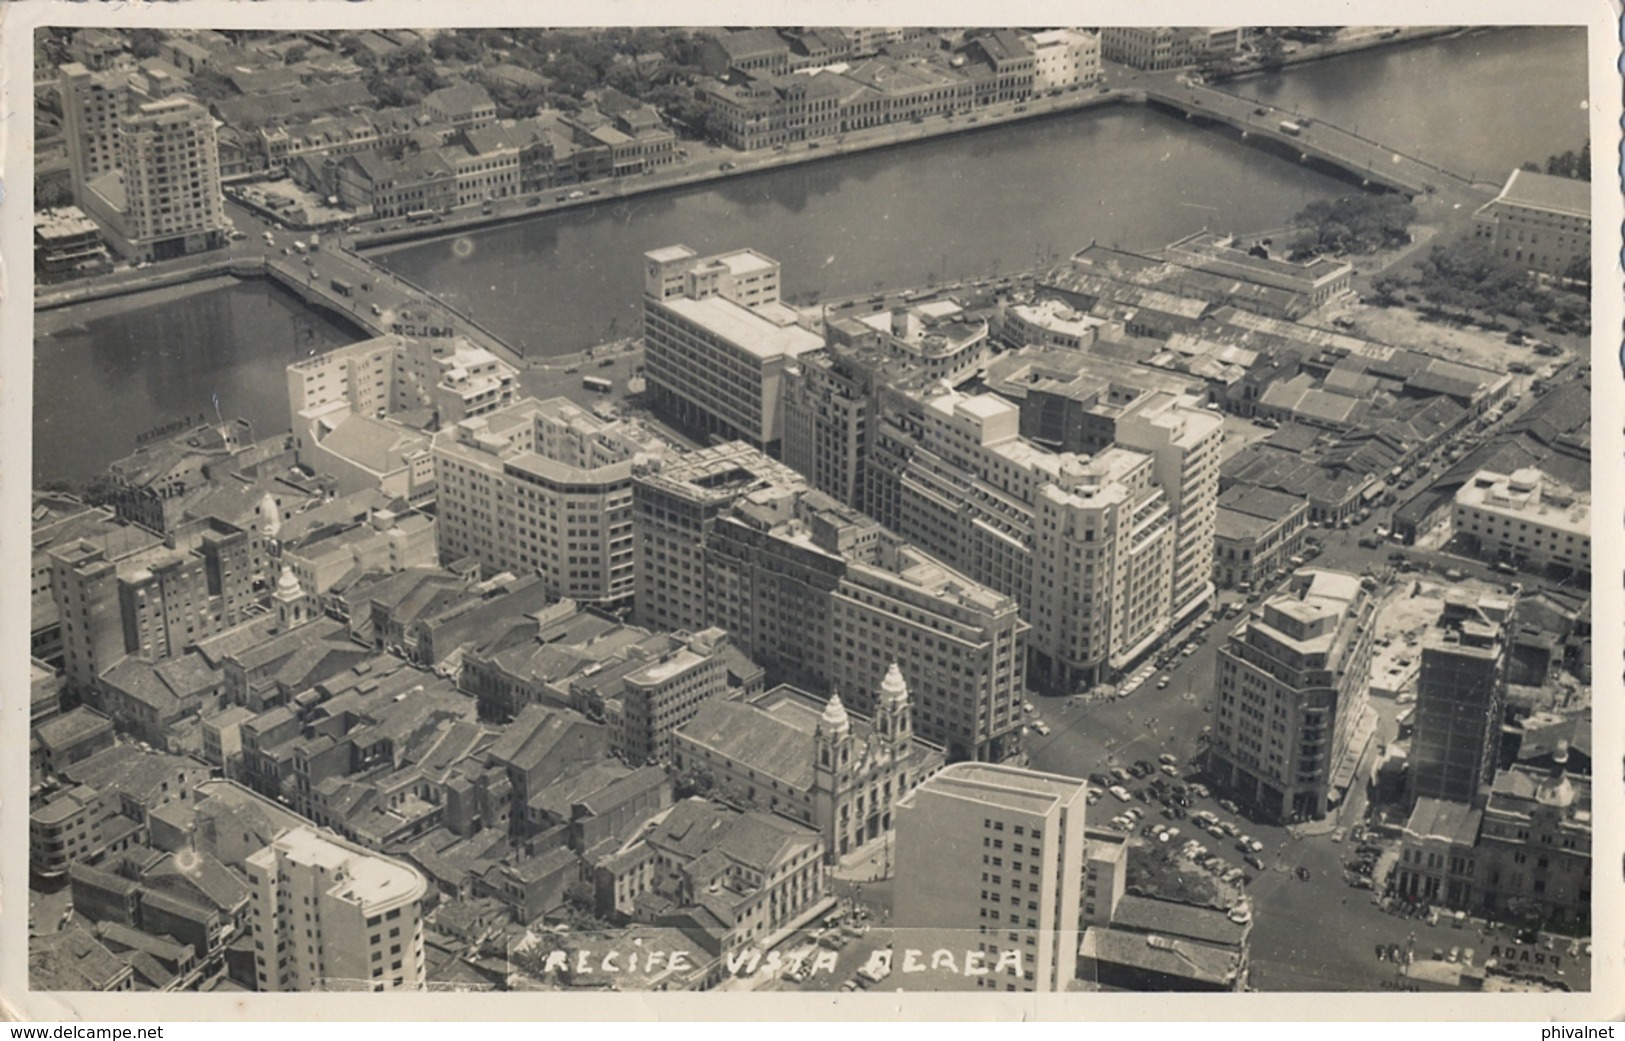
(1525, 517)
(1162, 945)
(1524, 855)
(1257, 533)
(1538, 220)
(827, 769)
(68, 244)
(729, 880)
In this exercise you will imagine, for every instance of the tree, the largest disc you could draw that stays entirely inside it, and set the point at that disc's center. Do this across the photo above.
(145, 43)
(1358, 224)
(52, 191)
(1271, 51)
(691, 782)
(1386, 290)
(455, 46)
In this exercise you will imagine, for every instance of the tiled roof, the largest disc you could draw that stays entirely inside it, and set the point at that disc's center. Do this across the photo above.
(1168, 918)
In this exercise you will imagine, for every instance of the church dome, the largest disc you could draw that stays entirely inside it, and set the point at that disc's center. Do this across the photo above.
(287, 585)
(835, 719)
(893, 687)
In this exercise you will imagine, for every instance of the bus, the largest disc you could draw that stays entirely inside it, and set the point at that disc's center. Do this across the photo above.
(597, 384)
(420, 216)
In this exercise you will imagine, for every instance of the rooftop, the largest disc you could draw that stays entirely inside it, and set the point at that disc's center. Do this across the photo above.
(745, 328)
(366, 879)
(1545, 192)
(1026, 791)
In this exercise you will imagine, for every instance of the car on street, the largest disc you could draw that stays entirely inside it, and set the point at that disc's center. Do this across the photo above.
(1042, 727)
(1253, 860)
(1303, 874)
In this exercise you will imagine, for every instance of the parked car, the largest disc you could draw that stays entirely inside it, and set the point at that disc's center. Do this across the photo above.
(1120, 792)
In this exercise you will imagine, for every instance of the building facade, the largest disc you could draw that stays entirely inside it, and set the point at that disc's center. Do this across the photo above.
(1065, 58)
(1257, 532)
(830, 770)
(1461, 699)
(328, 915)
(1538, 220)
(1291, 696)
(994, 856)
(543, 487)
(1089, 545)
(717, 341)
(1525, 517)
(824, 596)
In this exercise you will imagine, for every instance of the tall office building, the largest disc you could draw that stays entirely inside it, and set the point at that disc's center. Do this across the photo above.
(1461, 699)
(328, 915)
(993, 858)
(93, 109)
(146, 167)
(1290, 714)
(1089, 545)
(1185, 441)
(717, 341)
(543, 487)
(171, 167)
(826, 597)
(153, 604)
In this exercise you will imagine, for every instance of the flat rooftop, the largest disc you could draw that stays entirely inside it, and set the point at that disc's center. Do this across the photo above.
(744, 328)
(1027, 791)
(361, 878)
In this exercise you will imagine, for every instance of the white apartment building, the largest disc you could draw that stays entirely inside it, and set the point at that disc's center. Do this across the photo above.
(717, 340)
(171, 173)
(994, 858)
(1527, 517)
(393, 373)
(1065, 58)
(543, 487)
(146, 167)
(93, 108)
(1185, 441)
(1290, 706)
(1088, 545)
(328, 915)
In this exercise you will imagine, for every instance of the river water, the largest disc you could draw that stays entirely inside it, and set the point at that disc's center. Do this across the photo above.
(998, 199)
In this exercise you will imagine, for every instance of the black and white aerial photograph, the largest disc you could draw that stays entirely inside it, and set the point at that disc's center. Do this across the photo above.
(809, 510)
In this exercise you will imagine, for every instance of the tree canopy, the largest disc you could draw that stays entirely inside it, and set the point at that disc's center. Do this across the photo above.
(1358, 224)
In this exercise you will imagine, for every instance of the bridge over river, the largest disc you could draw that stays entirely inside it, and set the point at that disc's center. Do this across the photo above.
(1371, 163)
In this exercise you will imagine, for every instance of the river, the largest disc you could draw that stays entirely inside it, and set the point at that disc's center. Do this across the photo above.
(997, 199)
